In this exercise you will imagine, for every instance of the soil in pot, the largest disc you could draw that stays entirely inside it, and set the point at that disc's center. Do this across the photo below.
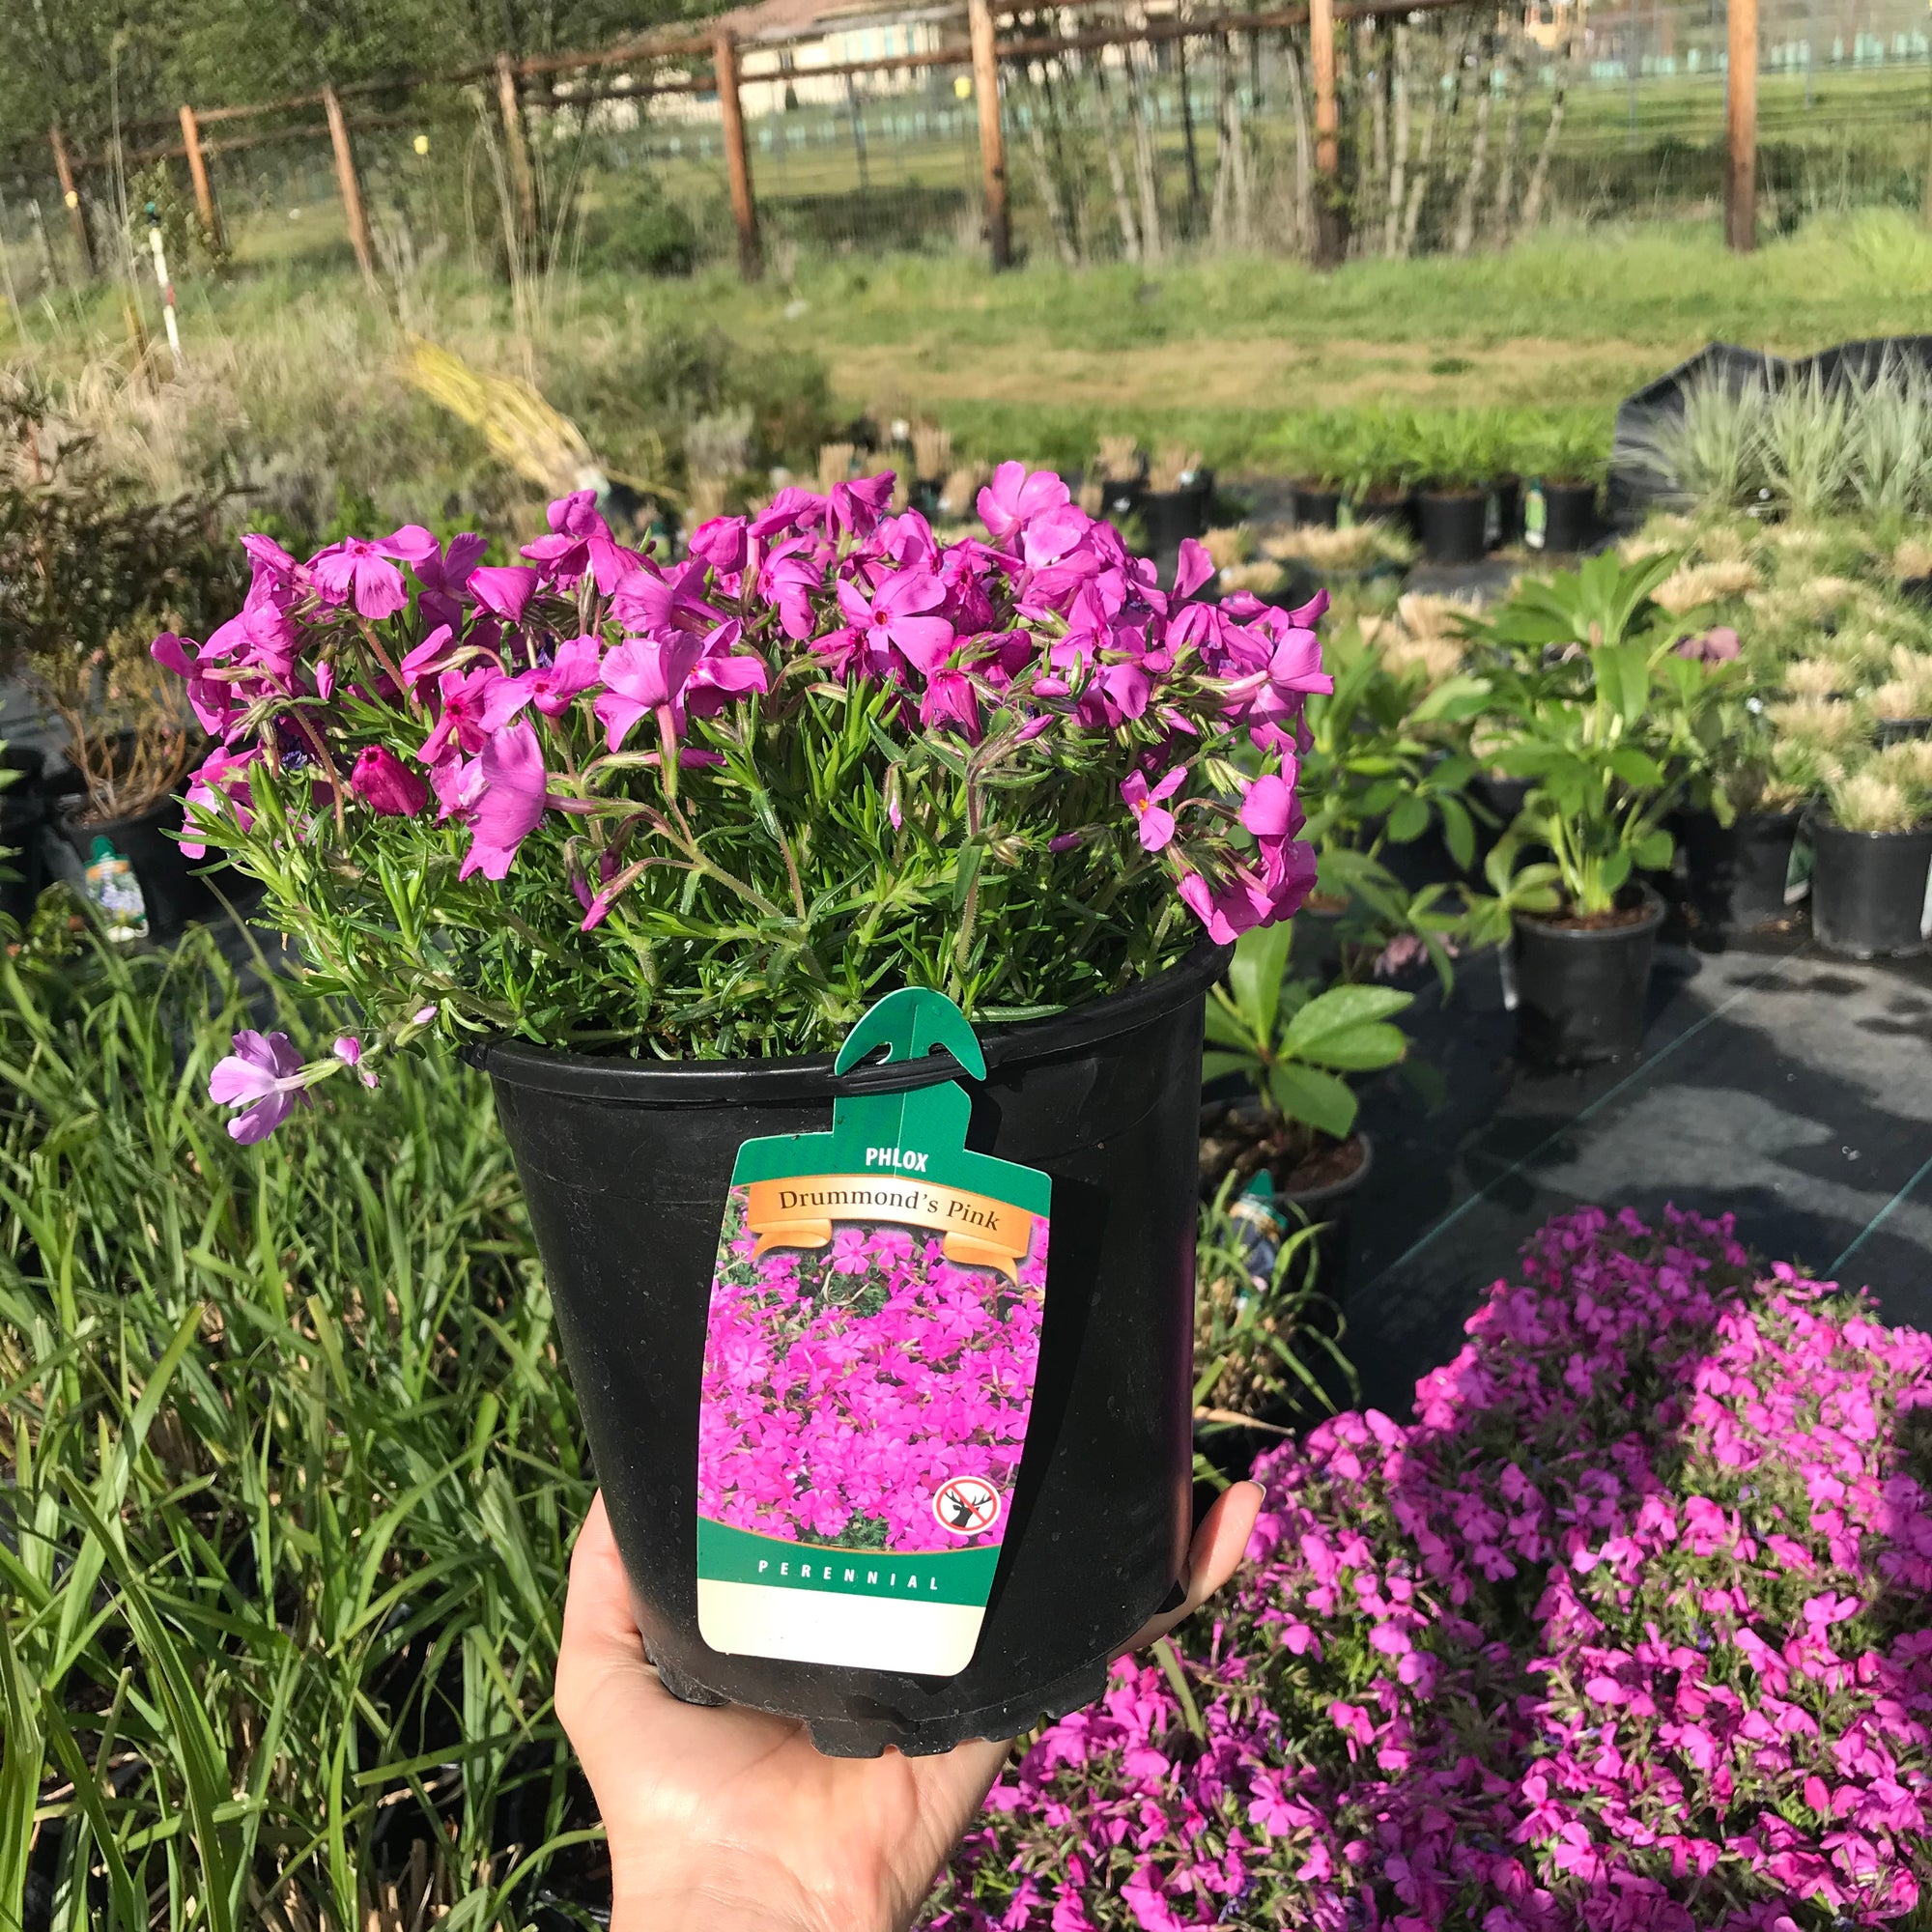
(626, 1166)
(1316, 508)
(1582, 981)
(1869, 889)
(1559, 516)
(1310, 1172)
(1737, 873)
(137, 875)
(1453, 524)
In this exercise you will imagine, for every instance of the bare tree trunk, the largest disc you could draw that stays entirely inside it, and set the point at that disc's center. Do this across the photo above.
(1373, 79)
(1398, 158)
(1512, 137)
(1143, 162)
(1049, 186)
(1244, 180)
(1117, 173)
(1304, 152)
(1539, 175)
(1479, 153)
(1452, 74)
(1223, 148)
(1187, 142)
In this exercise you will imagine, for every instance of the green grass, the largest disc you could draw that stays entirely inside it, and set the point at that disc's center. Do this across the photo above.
(292, 1474)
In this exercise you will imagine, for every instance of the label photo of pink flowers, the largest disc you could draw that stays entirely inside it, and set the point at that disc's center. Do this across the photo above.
(845, 1387)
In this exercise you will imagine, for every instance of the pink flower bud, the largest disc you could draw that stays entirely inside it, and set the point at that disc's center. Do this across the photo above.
(386, 785)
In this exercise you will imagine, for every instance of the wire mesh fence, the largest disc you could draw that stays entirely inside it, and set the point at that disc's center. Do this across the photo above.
(1129, 134)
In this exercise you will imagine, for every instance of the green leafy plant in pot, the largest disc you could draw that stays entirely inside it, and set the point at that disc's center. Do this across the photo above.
(1456, 464)
(1295, 1046)
(1607, 727)
(648, 842)
(1564, 462)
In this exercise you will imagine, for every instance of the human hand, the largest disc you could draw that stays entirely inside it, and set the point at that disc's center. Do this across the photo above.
(721, 1819)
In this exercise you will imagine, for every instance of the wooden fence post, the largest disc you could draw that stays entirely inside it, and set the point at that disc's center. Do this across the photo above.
(1328, 239)
(521, 177)
(345, 180)
(1741, 129)
(197, 168)
(70, 194)
(737, 161)
(992, 137)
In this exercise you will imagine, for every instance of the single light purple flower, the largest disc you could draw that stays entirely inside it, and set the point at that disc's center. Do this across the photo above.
(386, 785)
(511, 804)
(262, 1078)
(359, 570)
(1149, 806)
(1719, 644)
(422, 1015)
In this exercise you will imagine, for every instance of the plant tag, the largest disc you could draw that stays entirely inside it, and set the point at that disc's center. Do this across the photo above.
(115, 892)
(1535, 516)
(1798, 871)
(868, 1372)
(1925, 908)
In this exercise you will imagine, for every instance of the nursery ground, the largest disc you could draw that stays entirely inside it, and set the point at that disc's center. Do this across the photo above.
(1774, 1080)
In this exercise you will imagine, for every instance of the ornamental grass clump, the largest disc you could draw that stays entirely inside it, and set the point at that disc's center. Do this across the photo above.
(720, 806)
(1632, 1628)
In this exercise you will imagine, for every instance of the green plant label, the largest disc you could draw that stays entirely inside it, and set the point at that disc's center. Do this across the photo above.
(1535, 516)
(868, 1372)
(115, 892)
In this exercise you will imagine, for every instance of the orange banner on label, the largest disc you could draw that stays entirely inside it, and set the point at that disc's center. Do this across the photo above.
(799, 1214)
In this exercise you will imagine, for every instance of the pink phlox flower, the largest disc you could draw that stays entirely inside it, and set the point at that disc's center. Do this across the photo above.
(506, 589)
(510, 802)
(1194, 568)
(1017, 496)
(262, 1078)
(348, 1050)
(895, 625)
(385, 784)
(793, 509)
(653, 606)
(218, 777)
(1148, 803)
(213, 699)
(723, 672)
(581, 540)
(465, 695)
(552, 687)
(643, 675)
(444, 572)
(362, 570)
(854, 508)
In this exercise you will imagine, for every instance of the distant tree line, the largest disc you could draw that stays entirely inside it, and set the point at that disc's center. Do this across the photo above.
(82, 62)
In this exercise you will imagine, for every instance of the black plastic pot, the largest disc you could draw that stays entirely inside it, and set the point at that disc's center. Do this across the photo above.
(1737, 872)
(1568, 517)
(23, 816)
(1120, 501)
(1316, 508)
(625, 1166)
(1897, 730)
(173, 893)
(1170, 517)
(1453, 524)
(1580, 994)
(1868, 889)
(1396, 508)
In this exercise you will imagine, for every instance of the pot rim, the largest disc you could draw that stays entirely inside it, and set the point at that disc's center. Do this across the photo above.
(808, 1077)
(1653, 906)
(1817, 822)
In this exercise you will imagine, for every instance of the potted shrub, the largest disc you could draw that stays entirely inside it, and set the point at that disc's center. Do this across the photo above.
(1565, 463)
(649, 843)
(1871, 844)
(1607, 718)
(1455, 455)
(1294, 1047)
(90, 567)
(1375, 453)
(1317, 454)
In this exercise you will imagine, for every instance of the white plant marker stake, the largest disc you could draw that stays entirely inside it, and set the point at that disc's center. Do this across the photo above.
(167, 288)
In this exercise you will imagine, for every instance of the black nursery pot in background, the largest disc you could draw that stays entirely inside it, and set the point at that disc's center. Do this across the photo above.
(1316, 508)
(171, 890)
(23, 812)
(1737, 872)
(1868, 890)
(1505, 513)
(626, 1165)
(1580, 993)
(1568, 520)
(1453, 524)
(1170, 517)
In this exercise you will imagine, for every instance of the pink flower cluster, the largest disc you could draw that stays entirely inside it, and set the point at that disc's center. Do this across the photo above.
(844, 1387)
(404, 676)
(1630, 1629)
